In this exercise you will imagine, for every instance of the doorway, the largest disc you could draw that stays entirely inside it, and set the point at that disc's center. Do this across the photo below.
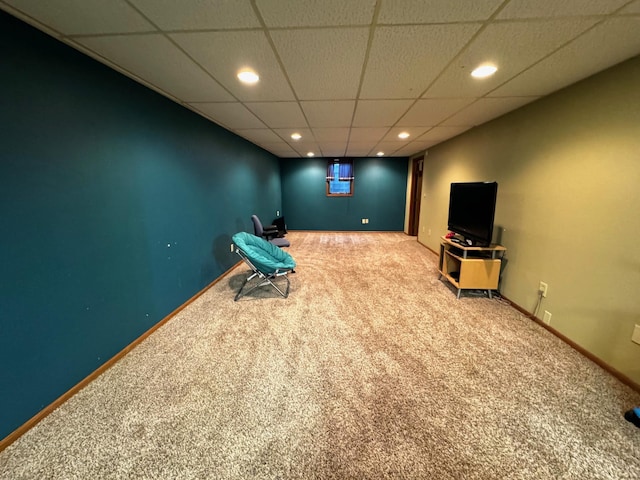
(416, 196)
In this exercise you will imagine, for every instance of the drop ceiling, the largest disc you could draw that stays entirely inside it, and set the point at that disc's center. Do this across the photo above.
(348, 75)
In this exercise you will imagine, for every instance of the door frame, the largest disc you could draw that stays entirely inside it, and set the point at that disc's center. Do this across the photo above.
(415, 197)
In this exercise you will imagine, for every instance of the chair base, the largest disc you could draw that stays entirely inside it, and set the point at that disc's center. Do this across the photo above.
(262, 281)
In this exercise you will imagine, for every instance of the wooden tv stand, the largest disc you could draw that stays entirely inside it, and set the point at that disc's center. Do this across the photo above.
(470, 268)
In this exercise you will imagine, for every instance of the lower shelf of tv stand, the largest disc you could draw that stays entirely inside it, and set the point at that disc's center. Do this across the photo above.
(470, 268)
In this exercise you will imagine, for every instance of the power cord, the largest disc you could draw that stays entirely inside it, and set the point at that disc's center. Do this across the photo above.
(538, 303)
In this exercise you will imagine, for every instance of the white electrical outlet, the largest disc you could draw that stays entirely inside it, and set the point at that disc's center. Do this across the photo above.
(277, 213)
(363, 221)
(636, 334)
(547, 317)
(232, 248)
(543, 288)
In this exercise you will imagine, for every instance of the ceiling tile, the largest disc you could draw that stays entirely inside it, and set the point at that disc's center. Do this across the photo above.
(305, 144)
(323, 13)
(223, 54)
(372, 113)
(421, 144)
(414, 133)
(404, 60)
(439, 134)
(431, 111)
(278, 114)
(258, 135)
(486, 109)
(512, 47)
(318, 60)
(358, 149)
(323, 64)
(389, 147)
(285, 133)
(229, 115)
(303, 147)
(89, 16)
(281, 149)
(155, 59)
(200, 14)
(554, 8)
(331, 135)
(330, 149)
(371, 135)
(609, 43)
(327, 113)
(376, 152)
(412, 149)
(435, 11)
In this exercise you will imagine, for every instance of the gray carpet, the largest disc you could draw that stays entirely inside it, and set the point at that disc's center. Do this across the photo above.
(370, 369)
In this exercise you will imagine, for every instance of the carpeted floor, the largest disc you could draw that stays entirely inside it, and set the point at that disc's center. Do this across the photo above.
(370, 369)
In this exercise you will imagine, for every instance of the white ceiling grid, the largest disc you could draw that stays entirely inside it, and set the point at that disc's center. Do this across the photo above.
(347, 75)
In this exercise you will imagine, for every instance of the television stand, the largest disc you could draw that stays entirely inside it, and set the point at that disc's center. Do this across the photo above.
(470, 268)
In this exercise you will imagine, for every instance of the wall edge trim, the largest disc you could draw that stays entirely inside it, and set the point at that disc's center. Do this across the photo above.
(42, 414)
(580, 349)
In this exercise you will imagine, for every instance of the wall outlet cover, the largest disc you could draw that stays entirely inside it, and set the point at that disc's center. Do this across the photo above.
(543, 288)
(635, 337)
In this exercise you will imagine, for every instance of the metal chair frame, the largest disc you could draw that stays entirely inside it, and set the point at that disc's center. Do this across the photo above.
(264, 278)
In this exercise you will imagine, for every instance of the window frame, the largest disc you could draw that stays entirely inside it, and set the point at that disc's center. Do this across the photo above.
(351, 178)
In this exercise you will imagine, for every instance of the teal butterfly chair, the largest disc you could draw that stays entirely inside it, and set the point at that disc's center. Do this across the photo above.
(267, 263)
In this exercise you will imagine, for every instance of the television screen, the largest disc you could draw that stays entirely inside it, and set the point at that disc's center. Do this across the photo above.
(472, 207)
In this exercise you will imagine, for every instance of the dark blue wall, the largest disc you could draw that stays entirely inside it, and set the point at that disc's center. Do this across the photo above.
(116, 206)
(379, 195)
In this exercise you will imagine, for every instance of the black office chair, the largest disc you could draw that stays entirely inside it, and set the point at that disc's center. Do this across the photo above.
(269, 233)
(281, 225)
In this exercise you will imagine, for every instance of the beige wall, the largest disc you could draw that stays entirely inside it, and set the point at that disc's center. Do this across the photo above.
(568, 210)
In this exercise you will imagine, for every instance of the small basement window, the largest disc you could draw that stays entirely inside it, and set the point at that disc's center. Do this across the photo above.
(340, 178)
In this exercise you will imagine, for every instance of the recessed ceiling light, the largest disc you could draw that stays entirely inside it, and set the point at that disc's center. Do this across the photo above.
(380, 154)
(403, 135)
(310, 154)
(484, 71)
(296, 136)
(248, 76)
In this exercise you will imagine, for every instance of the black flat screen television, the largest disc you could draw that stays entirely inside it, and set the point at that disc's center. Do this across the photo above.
(472, 206)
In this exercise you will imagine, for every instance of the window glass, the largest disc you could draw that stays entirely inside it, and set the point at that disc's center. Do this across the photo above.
(340, 177)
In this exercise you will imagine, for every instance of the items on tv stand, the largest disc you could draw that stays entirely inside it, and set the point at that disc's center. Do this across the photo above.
(470, 268)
